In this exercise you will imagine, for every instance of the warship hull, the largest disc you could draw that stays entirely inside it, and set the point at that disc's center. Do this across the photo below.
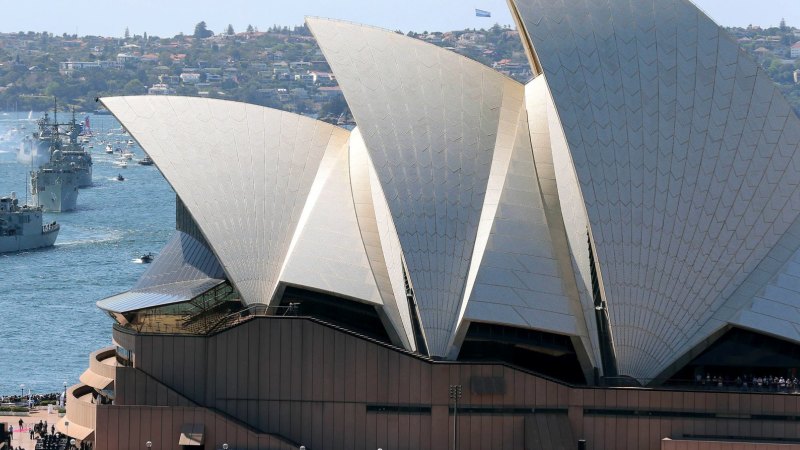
(81, 163)
(20, 243)
(21, 227)
(55, 191)
(85, 177)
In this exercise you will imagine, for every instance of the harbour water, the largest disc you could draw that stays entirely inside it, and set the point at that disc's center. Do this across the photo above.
(48, 319)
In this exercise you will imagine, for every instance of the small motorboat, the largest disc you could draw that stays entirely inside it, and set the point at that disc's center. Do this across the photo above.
(121, 164)
(120, 177)
(109, 149)
(147, 258)
(146, 161)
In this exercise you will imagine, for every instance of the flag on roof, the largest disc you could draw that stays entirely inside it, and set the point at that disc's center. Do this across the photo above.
(482, 13)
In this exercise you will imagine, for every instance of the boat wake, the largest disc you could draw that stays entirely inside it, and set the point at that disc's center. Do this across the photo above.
(112, 236)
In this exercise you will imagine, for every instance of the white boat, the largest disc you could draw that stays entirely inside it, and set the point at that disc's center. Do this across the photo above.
(109, 149)
(121, 164)
(127, 155)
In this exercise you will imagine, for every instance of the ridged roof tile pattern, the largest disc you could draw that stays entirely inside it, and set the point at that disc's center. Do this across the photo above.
(679, 146)
(185, 268)
(429, 118)
(243, 171)
(328, 254)
(380, 239)
(519, 280)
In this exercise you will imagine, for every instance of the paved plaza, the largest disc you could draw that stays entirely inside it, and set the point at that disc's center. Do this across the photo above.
(22, 439)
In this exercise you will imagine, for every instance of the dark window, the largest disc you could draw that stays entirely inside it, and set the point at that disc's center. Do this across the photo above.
(544, 353)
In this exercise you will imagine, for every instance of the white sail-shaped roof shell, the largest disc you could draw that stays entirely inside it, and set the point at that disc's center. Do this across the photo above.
(686, 160)
(430, 120)
(244, 173)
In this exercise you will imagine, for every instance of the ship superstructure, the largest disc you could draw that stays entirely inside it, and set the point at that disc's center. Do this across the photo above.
(74, 153)
(55, 184)
(34, 150)
(21, 227)
(56, 181)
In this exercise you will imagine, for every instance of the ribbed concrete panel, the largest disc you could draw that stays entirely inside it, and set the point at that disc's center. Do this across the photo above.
(429, 119)
(519, 268)
(567, 222)
(511, 113)
(244, 172)
(183, 258)
(769, 299)
(184, 269)
(328, 254)
(679, 143)
(380, 240)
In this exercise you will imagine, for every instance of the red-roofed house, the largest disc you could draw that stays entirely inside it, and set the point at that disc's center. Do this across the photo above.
(796, 50)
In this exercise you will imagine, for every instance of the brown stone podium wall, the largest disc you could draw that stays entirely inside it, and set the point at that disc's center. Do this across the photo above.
(312, 384)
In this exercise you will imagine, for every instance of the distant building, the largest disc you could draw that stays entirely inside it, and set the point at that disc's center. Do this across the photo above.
(795, 51)
(329, 92)
(761, 53)
(160, 89)
(296, 65)
(169, 79)
(190, 77)
(127, 58)
(306, 78)
(68, 67)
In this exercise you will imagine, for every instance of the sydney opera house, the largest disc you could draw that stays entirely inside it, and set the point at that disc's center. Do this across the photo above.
(479, 263)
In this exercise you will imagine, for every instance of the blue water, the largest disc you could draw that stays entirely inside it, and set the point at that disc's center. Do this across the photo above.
(48, 319)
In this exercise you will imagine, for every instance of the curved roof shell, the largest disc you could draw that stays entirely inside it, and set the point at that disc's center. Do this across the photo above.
(429, 119)
(243, 171)
(685, 156)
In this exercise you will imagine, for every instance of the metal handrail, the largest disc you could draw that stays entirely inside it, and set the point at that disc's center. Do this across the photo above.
(253, 311)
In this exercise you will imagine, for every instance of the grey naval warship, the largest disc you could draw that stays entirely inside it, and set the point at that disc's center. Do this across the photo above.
(34, 150)
(76, 155)
(55, 185)
(21, 227)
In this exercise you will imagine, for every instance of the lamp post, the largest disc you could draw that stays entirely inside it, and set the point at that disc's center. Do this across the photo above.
(65, 394)
(455, 394)
(21, 391)
(66, 427)
(225, 446)
(72, 443)
(148, 444)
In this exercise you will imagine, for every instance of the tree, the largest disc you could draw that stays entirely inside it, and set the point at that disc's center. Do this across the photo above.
(229, 31)
(201, 32)
(250, 28)
(127, 33)
(134, 87)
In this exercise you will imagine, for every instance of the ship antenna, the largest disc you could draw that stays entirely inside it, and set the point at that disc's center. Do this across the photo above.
(27, 179)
